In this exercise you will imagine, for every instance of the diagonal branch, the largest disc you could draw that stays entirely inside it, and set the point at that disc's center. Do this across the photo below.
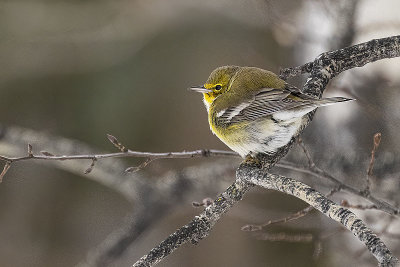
(297, 215)
(156, 199)
(199, 227)
(315, 171)
(324, 205)
(330, 64)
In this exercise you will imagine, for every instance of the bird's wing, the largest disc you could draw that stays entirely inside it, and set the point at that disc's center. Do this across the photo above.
(265, 102)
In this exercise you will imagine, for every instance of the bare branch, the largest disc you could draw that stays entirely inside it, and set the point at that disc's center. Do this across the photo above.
(311, 163)
(377, 140)
(285, 237)
(317, 172)
(328, 65)
(297, 215)
(151, 156)
(30, 153)
(294, 216)
(346, 204)
(116, 143)
(326, 206)
(140, 167)
(6, 167)
(47, 154)
(323, 69)
(90, 169)
(199, 227)
(176, 188)
(127, 154)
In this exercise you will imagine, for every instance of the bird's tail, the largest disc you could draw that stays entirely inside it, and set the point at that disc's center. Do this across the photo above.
(311, 104)
(332, 100)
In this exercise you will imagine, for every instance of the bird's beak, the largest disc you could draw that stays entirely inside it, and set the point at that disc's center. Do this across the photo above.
(200, 89)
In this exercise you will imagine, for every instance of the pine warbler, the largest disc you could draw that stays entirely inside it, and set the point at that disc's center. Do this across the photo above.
(253, 111)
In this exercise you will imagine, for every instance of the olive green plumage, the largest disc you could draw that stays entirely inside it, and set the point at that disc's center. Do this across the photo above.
(254, 111)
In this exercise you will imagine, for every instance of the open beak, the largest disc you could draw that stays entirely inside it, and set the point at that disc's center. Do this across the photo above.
(200, 89)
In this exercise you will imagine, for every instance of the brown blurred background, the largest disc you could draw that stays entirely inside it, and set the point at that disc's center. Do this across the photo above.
(82, 69)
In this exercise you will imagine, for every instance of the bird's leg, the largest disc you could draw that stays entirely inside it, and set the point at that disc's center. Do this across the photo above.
(252, 160)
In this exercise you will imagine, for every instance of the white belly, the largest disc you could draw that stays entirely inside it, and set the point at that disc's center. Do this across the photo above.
(266, 136)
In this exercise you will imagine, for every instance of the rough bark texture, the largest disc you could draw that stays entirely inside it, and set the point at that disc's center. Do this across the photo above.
(328, 65)
(324, 205)
(199, 227)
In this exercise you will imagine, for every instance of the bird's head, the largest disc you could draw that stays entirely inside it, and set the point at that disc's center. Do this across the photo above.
(218, 83)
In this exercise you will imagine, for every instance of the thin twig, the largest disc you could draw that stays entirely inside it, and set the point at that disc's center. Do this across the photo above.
(311, 163)
(116, 143)
(377, 141)
(297, 215)
(140, 167)
(6, 167)
(319, 173)
(294, 216)
(89, 170)
(340, 214)
(285, 237)
(150, 156)
(129, 153)
(30, 153)
(346, 204)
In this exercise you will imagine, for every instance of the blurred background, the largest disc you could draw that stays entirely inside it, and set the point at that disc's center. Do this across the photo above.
(74, 71)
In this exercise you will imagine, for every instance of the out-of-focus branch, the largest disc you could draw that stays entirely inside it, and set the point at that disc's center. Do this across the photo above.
(285, 237)
(292, 217)
(14, 140)
(377, 141)
(346, 204)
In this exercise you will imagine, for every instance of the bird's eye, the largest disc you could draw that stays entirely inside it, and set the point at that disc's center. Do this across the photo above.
(218, 87)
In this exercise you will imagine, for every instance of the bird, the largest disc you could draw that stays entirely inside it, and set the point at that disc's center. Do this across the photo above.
(253, 111)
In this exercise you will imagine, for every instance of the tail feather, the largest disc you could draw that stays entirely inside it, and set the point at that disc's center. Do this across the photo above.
(308, 106)
(332, 100)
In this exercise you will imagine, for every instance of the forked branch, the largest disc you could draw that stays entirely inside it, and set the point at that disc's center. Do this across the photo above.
(325, 206)
(322, 70)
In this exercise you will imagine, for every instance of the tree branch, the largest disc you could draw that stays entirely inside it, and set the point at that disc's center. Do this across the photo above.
(150, 156)
(157, 198)
(129, 153)
(317, 172)
(294, 216)
(330, 64)
(324, 68)
(324, 205)
(199, 227)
